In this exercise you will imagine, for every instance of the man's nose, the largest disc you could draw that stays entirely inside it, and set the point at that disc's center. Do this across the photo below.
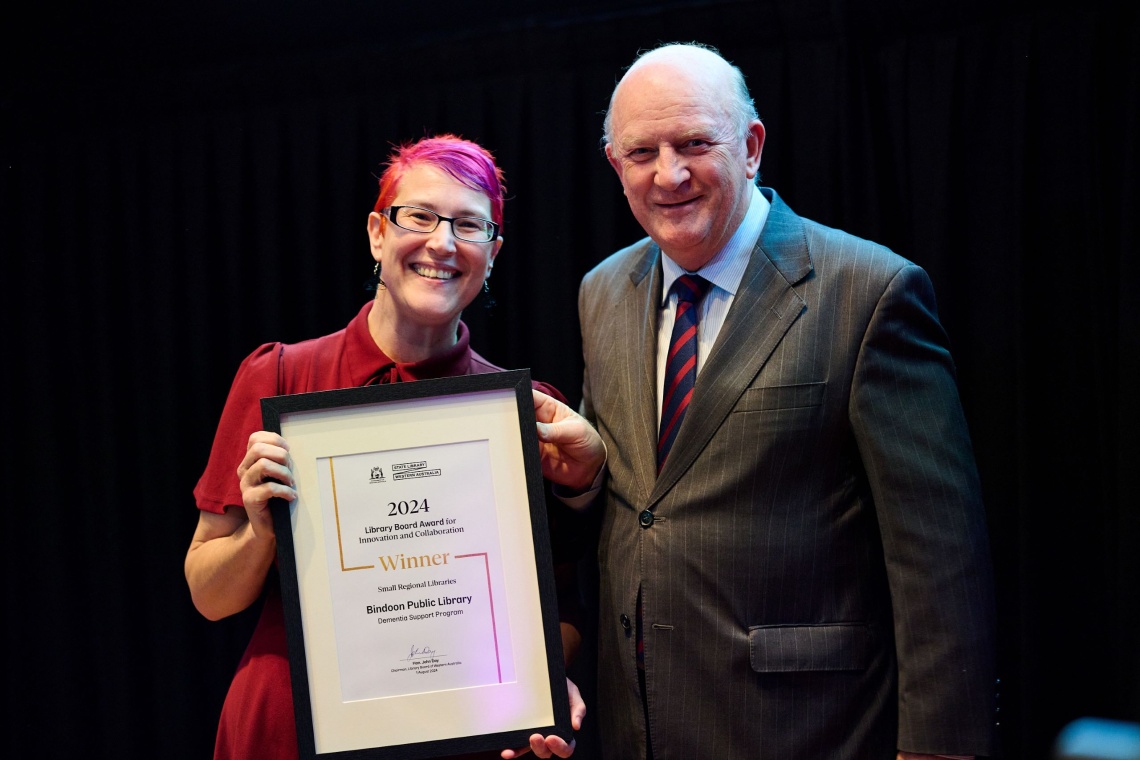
(672, 169)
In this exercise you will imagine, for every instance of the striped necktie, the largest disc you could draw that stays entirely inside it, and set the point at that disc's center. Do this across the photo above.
(681, 364)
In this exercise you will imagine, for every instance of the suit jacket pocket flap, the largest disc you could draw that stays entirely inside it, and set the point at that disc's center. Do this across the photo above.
(795, 648)
(781, 397)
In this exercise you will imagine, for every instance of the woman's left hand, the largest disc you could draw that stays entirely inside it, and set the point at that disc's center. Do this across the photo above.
(554, 746)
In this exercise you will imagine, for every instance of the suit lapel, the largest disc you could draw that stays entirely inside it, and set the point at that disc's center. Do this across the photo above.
(764, 308)
(637, 323)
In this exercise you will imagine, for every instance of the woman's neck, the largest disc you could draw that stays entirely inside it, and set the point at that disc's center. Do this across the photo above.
(404, 342)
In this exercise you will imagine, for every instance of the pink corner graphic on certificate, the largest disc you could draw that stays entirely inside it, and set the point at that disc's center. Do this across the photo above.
(491, 601)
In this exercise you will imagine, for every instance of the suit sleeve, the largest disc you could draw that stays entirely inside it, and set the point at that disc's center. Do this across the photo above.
(913, 439)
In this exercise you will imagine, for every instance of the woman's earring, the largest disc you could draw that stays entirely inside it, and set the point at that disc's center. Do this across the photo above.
(488, 299)
(375, 280)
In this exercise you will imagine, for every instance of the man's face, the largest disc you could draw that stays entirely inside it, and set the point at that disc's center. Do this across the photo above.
(685, 169)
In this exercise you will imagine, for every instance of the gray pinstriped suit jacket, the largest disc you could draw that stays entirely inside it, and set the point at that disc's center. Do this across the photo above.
(816, 581)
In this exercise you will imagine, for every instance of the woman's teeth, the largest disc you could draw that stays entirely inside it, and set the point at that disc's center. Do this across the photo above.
(436, 274)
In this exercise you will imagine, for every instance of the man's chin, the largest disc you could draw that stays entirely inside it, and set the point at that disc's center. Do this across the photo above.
(679, 243)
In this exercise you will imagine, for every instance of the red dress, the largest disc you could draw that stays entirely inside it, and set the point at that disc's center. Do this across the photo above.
(257, 717)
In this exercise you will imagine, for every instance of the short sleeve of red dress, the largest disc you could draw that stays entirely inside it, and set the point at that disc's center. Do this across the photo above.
(256, 378)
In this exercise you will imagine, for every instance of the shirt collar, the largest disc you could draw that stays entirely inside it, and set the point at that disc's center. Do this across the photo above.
(726, 268)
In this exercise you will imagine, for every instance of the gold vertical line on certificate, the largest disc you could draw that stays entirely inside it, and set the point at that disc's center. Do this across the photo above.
(336, 517)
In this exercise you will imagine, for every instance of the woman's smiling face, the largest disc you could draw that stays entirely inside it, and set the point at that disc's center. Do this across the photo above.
(432, 277)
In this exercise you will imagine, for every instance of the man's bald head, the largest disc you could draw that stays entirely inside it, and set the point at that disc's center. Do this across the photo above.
(690, 60)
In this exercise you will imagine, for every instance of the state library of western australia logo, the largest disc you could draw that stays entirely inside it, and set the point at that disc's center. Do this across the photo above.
(377, 475)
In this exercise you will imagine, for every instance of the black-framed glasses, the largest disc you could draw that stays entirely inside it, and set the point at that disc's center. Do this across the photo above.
(470, 228)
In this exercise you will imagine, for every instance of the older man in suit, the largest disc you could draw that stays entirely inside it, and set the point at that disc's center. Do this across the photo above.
(793, 553)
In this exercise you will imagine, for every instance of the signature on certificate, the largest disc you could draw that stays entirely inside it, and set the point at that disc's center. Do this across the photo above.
(418, 653)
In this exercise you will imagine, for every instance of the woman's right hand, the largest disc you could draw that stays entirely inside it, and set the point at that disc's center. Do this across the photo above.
(231, 552)
(266, 472)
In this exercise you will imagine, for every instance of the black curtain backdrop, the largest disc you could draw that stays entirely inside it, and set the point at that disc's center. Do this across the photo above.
(182, 184)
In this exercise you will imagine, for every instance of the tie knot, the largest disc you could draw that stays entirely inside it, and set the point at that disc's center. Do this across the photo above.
(690, 288)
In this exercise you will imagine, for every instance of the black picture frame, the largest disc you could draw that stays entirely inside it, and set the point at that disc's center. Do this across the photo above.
(368, 419)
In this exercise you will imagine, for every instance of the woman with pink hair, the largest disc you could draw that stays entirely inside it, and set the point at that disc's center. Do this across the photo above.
(434, 235)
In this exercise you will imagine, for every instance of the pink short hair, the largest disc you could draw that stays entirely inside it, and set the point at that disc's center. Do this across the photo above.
(469, 163)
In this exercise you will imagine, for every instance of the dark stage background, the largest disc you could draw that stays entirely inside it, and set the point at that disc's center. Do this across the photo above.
(182, 183)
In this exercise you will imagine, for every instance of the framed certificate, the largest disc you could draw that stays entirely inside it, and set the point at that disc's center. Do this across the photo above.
(416, 575)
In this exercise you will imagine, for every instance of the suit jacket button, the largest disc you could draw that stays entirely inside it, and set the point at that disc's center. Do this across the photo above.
(624, 621)
(645, 518)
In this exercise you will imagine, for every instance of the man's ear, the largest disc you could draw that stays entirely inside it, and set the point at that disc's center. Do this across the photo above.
(612, 159)
(754, 146)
